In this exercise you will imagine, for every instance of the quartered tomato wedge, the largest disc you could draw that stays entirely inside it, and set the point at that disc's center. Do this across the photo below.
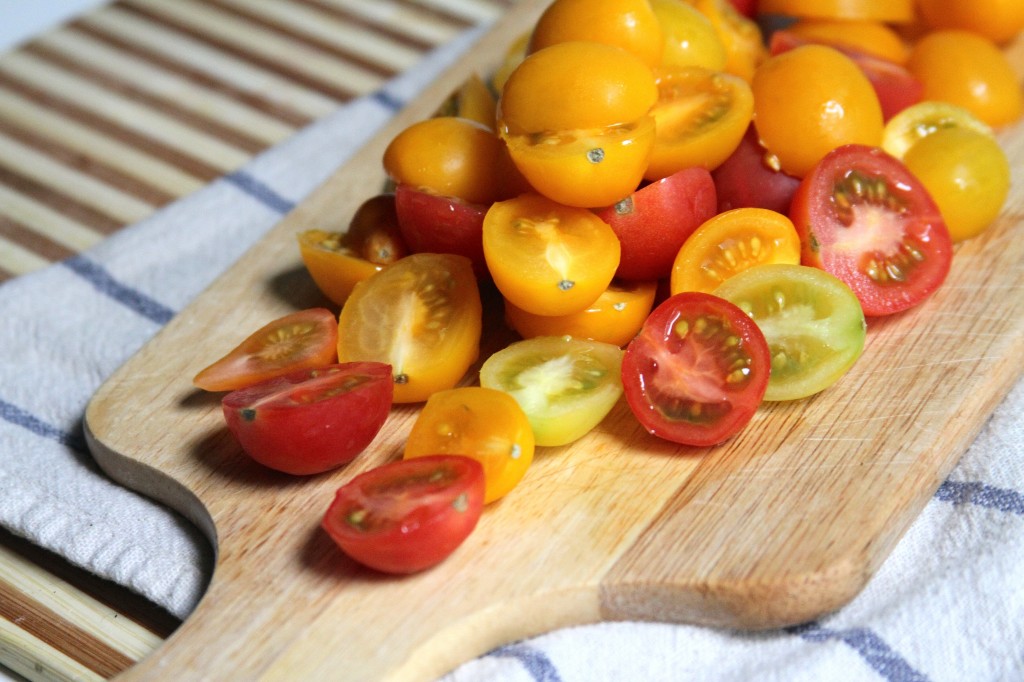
(302, 340)
(565, 386)
(865, 218)
(481, 423)
(422, 316)
(653, 222)
(312, 420)
(408, 515)
(697, 371)
(813, 323)
(431, 223)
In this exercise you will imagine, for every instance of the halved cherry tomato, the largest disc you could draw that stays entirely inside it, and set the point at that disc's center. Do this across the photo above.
(653, 222)
(615, 317)
(894, 11)
(576, 119)
(747, 178)
(422, 316)
(302, 340)
(338, 260)
(813, 323)
(628, 24)
(548, 258)
(810, 100)
(740, 35)
(430, 223)
(865, 218)
(922, 119)
(699, 119)
(312, 420)
(690, 37)
(697, 371)
(730, 243)
(408, 515)
(565, 386)
(481, 423)
(472, 100)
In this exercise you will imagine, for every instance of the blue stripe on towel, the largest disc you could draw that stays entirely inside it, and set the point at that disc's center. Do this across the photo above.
(387, 100)
(872, 648)
(260, 191)
(981, 494)
(19, 417)
(535, 661)
(105, 283)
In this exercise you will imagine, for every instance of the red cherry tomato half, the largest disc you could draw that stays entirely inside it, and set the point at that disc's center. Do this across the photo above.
(747, 180)
(431, 223)
(408, 515)
(865, 218)
(312, 420)
(653, 222)
(697, 371)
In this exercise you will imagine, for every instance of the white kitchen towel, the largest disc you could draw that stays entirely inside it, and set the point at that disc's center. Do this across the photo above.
(947, 605)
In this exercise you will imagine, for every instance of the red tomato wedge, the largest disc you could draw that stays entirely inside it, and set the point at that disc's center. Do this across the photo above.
(863, 217)
(312, 420)
(302, 340)
(697, 371)
(408, 515)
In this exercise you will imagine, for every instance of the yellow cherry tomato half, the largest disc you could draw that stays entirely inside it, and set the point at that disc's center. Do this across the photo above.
(615, 317)
(690, 39)
(472, 100)
(422, 315)
(484, 424)
(700, 118)
(810, 100)
(629, 24)
(547, 258)
(742, 38)
(917, 121)
(731, 242)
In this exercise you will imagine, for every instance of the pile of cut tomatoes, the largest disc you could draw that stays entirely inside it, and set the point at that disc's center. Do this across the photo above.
(691, 205)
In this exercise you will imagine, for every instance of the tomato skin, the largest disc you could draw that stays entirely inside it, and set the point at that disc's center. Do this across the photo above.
(627, 24)
(312, 420)
(894, 11)
(698, 370)
(407, 516)
(653, 222)
(301, 340)
(892, 258)
(430, 223)
(746, 180)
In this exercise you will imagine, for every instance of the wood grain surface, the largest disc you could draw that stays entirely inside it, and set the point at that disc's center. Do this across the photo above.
(783, 523)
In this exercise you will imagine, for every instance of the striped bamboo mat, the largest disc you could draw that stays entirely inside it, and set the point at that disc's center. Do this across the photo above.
(112, 115)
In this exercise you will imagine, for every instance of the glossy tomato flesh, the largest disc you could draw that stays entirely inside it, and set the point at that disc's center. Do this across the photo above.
(697, 371)
(408, 515)
(310, 421)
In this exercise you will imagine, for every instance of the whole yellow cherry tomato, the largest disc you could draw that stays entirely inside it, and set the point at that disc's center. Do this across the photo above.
(690, 39)
(629, 24)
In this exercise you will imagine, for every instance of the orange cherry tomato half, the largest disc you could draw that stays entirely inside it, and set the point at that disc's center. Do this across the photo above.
(741, 36)
(628, 24)
(548, 258)
(408, 515)
(312, 420)
(997, 20)
(472, 100)
(484, 424)
(305, 339)
(422, 316)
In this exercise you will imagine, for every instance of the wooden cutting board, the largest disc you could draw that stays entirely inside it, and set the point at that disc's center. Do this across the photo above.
(784, 523)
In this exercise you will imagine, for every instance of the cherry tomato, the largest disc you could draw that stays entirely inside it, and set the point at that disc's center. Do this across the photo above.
(408, 515)
(302, 340)
(338, 260)
(915, 122)
(472, 100)
(699, 119)
(730, 243)
(968, 175)
(450, 156)
(963, 68)
(628, 24)
(741, 37)
(653, 222)
(697, 371)
(434, 224)
(481, 423)
(865, 218)
(893, 11)
(311, 420)
(548, 258)
(997, 20)
(747, 178)
(813, 323)
(576, 119)
(863, 36)
(565, 386)
(615, 317)
(810, 100)
(422, 316)
(690, 39)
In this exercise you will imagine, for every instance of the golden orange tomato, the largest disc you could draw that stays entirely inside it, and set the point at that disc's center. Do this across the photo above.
(690, 39)
(870, 37)
(895, 11)
(629, 24)
(997, 20)
(741, 37)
